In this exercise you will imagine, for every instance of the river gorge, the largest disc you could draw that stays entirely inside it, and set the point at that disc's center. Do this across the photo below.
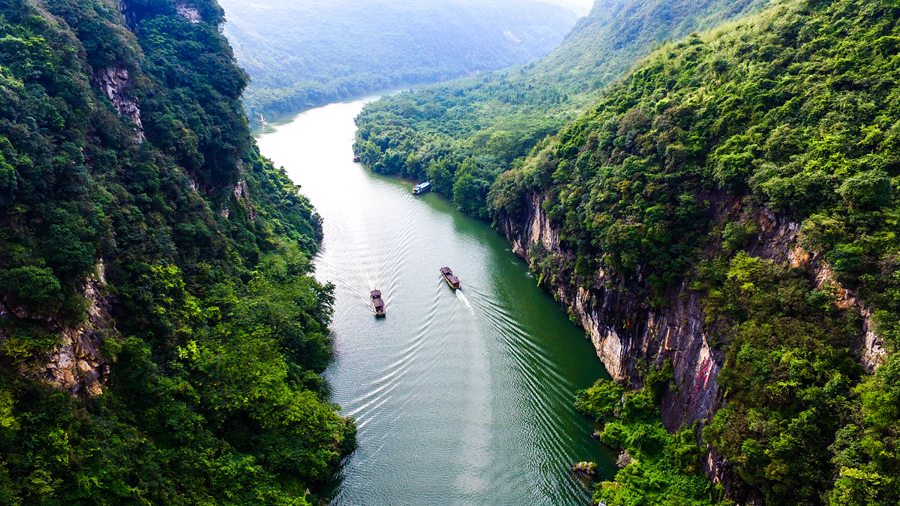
(459, 397)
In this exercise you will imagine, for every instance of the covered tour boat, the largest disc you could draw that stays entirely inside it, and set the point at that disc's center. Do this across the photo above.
(378, 303)
(451, 280)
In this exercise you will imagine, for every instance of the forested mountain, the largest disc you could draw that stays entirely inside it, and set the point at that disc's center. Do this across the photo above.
(463, 134)
(724, 223)
(755, 170)
(160, 334)
(304, 53)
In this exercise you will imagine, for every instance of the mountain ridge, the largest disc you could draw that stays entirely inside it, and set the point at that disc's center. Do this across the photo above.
(463, 134)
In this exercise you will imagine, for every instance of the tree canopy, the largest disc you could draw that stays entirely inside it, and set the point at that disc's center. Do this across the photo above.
(196, 247)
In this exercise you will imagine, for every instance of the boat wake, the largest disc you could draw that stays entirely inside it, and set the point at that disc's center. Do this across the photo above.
(458, 397)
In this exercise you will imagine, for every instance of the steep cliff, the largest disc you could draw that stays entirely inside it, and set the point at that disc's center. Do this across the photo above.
(730, 209)
(161, 337)
(627, 334)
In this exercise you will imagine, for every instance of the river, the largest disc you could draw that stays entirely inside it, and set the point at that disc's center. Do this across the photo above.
(460, 397)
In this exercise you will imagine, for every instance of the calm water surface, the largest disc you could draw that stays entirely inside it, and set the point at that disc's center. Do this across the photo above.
(460, 397)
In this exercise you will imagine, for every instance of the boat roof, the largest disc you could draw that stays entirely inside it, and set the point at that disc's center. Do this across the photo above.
(453, 279)
(376, 293)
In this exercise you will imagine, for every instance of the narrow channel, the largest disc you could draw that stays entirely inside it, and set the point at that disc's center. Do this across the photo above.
(460, 397)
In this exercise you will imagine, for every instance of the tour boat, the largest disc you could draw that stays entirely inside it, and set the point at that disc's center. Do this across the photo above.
(422, 188)
(451, 280)
(378, 304)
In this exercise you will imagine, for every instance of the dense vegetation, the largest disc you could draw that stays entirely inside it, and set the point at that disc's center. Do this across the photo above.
(306, 53)
(462, 135)
(794, 112)
(211, 354)
(656, 467)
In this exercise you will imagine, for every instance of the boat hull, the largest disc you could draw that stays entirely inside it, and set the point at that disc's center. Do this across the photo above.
(452, 281)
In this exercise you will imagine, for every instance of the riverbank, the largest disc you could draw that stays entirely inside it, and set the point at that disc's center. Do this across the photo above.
(460, 397)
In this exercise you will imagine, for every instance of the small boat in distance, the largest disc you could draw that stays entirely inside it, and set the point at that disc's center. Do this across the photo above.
(451, 280)
(378, 304)
(356, 158)
(421, 188)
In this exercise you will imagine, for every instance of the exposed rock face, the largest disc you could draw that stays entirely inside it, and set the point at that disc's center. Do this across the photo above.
(242, 194)
(624, 459)
(585, 470)
(78, 365)
(874, 353)
(127, 14)
(779, 241)
(629, 335)
(188, 12)
(114, 82)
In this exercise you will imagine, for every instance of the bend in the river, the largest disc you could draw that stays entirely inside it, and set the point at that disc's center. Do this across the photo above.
(460, 397)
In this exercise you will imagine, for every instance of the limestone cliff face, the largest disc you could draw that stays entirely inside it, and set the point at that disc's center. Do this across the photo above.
(114, 82)
(242, 195)
(626, 333)
(779, 241)
(629, 335)
(78, 364)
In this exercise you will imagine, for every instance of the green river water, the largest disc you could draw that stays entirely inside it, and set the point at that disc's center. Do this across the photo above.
(460, 397)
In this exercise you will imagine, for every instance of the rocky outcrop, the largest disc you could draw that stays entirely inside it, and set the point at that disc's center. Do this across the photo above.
(78, 365)
(585, 470)
(779, 240)
(126, 14)
(114, 82)
(188, 12)
(624, 459)
(241, 192)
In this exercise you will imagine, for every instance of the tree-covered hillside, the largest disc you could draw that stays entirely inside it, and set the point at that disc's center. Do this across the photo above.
(463, 134)
(161, 338)
(305, 53)
(672, 180)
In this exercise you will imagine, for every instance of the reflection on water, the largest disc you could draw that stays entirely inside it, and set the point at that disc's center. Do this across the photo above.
(460, 397)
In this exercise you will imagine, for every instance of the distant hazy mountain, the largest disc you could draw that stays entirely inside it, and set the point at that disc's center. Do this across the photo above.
(580, 7)
(487, 122)
(304, 53)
